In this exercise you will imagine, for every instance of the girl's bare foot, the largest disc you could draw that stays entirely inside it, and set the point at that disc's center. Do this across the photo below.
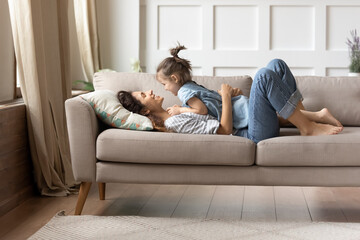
(327, 117)
(317, 129)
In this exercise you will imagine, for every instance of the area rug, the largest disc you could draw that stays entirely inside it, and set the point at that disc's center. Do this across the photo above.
(137, 227)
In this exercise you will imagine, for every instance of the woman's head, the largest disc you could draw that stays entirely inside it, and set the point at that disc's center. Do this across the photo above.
(130, 103)
(173, 72)
(143, 103)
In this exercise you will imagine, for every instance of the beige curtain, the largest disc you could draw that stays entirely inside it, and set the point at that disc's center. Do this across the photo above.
(86, 29)
(40, 34)
(7, 66)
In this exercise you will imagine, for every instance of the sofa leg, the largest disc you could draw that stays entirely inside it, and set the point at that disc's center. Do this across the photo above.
(84, 190)
(102, 187)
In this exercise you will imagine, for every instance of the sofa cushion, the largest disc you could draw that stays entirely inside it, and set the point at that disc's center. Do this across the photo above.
(109, 110)
(339, 94)
(117, 81)
(291, 149)
(118, 145)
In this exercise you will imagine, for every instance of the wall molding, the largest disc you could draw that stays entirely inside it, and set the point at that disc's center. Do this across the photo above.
(307, 34)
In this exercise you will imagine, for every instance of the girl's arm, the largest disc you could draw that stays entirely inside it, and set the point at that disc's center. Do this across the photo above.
(196, 106)
(226, 123)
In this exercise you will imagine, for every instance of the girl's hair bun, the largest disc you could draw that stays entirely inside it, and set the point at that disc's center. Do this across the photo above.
(174, 51)
(176, 65)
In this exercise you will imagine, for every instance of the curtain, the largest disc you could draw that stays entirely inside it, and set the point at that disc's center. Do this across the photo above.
(7, 60)
(41, 43)
(86, 29)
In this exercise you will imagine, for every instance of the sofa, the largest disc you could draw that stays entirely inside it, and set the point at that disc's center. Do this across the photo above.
(105, 154)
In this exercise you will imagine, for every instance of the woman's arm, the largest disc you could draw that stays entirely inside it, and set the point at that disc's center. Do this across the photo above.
(226, 123)
(196, 106)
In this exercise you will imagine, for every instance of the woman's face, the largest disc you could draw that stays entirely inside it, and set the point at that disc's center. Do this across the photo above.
(149, 99)
(170, 85)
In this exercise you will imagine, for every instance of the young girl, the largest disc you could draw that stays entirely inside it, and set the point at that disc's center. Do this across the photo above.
(258, 117)
(175, 74)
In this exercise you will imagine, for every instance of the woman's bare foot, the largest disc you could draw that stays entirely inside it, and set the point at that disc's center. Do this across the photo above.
(317, 129)
(327, 117)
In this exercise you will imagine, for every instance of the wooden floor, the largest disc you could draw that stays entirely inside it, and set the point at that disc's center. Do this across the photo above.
(183, 201)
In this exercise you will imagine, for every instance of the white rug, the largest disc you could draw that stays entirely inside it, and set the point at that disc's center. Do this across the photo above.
(135, 227)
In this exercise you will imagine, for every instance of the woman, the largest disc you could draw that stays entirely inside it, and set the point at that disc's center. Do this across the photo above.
(147, 104)
(273, 96)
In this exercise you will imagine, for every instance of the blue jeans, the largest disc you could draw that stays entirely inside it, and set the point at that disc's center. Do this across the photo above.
(273, 91)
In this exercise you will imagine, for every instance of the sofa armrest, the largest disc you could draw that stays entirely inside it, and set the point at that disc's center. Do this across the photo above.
(83, 130)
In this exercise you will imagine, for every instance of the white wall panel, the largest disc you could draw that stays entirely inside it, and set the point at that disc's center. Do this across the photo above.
(301, 71)
(197, 71)
(337, 71)
(292, 28)
(340, 20)
(243, 33)
(234, 71)
(180, 23)
(232, 37)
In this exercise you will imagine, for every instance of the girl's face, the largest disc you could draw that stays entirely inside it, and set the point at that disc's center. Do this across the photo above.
(149, 100)
(170, 85)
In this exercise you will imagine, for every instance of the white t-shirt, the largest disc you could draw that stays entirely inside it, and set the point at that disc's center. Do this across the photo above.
(192, 123)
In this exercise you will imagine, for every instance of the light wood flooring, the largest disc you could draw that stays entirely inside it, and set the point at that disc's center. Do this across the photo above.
(195, 201)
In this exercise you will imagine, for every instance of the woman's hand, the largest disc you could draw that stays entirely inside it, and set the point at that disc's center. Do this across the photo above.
(236, 92)
(174, 110)
(226, 124)
(226, 90)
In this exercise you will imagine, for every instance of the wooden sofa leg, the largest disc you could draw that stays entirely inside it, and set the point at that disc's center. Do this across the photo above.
(102, 187)
(84, 190)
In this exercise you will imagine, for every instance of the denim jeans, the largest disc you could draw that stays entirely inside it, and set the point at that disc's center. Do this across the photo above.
(273, 92)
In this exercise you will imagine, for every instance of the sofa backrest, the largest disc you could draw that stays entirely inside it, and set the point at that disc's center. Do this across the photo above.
(117, 81)
(341, 95)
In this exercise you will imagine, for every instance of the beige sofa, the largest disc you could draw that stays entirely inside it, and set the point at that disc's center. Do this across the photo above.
(102, 154)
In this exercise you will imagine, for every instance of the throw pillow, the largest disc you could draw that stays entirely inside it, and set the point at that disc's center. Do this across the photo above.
(108, 108)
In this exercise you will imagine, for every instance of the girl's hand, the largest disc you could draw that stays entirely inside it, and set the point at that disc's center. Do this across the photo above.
(236, 92)
(226, 90)
(174, 110)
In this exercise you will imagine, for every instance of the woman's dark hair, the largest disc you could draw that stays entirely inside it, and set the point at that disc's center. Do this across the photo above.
(129, 102)
(175, 65)
(133, 105)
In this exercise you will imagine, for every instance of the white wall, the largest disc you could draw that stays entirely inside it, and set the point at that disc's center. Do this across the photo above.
(224, 37)
(233, 37)
(7, 79)
(229, 37)
(118, 26)
(118, 30)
